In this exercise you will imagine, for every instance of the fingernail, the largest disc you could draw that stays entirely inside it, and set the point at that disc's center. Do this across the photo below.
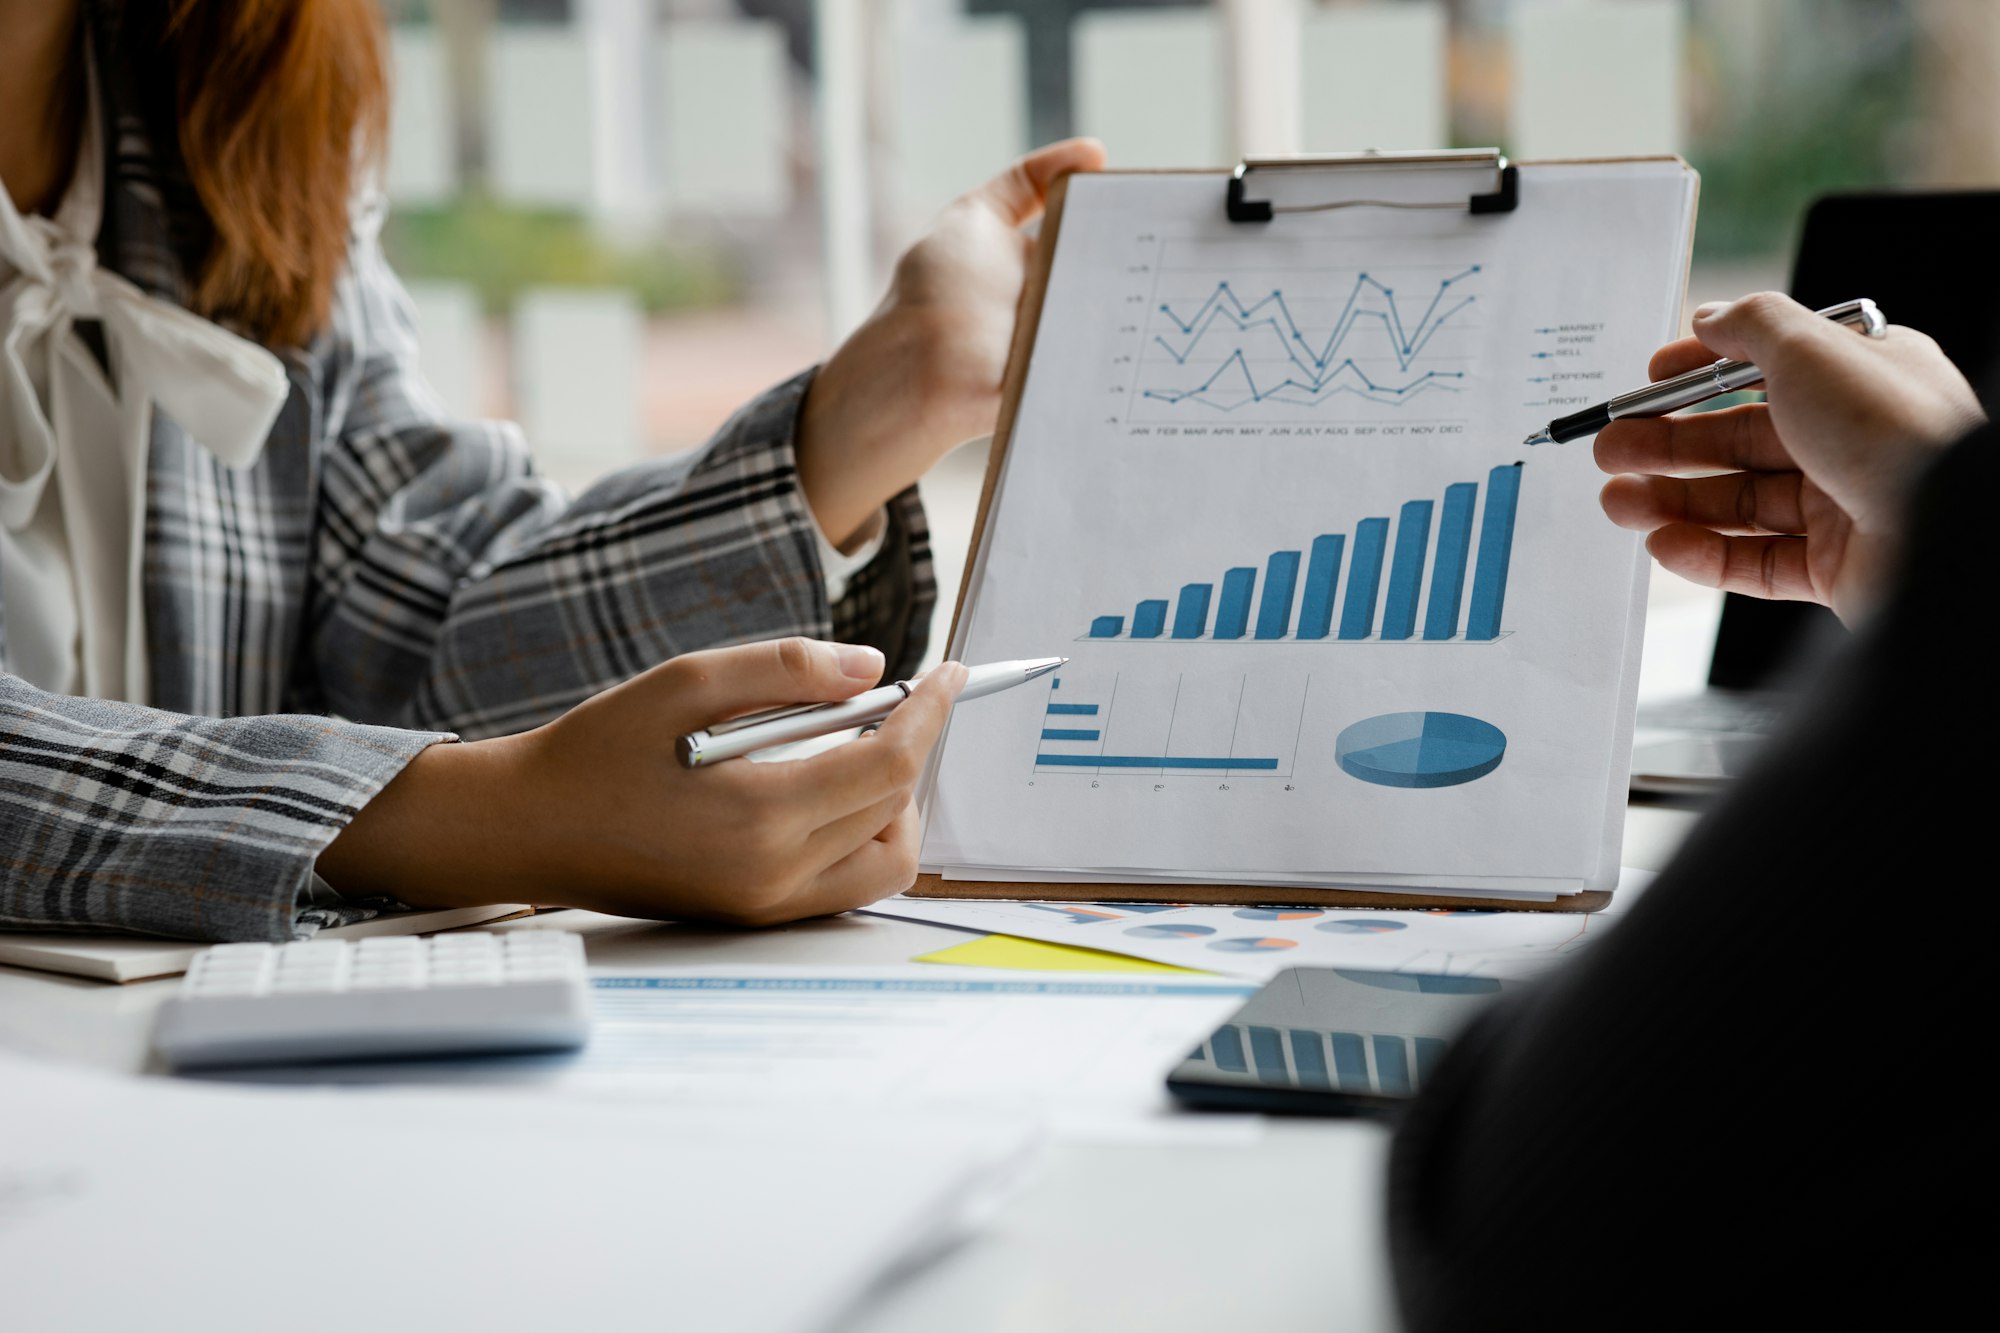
(858, 661)
(1710, 309)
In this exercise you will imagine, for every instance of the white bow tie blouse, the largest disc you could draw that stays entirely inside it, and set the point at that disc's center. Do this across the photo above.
(73, 438)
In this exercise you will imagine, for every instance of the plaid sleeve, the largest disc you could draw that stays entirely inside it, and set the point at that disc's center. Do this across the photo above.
(454, 588)
(117, 816)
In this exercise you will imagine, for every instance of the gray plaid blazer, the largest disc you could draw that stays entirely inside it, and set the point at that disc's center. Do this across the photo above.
(381, 577)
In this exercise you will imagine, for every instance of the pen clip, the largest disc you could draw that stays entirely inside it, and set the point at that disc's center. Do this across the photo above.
(1860, 314)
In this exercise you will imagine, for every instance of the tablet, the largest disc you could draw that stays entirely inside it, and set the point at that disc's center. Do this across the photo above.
(1331, 1041)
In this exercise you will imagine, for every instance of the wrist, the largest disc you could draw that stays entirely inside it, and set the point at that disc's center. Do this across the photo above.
(443, 833)
(871, 424)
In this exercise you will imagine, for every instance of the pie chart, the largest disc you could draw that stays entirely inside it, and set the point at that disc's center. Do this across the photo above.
(1169, 931)
(1277, 913)
(1348, 925)
(1419, 749)
(1253, 944)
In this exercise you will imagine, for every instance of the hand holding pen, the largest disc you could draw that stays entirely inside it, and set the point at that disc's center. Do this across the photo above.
(1698, 385)
(1813, 479)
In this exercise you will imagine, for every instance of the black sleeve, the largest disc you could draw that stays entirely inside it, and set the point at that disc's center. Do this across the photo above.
(1751, 1098)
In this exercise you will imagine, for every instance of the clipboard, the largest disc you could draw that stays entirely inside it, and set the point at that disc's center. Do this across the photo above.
(1255, 192)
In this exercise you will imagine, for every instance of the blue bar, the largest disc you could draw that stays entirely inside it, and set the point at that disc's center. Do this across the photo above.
(1496, 548)
(1073, 710)
(1392, 1065)
(1191, 612)
(1406, 575)
(1107, 627)
(1232, 613)
(1228, 1049)
(1068, 734)
(1274, 613)
(1448, 579)
(1148, 619)
(1150, 761)
(1309, 1059)
(1350, 1062)
(1267, 1049)
(1322, 577)
(1364, 579)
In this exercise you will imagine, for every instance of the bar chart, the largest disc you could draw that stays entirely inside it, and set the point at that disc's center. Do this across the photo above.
(1302, 599)
(1154, 724)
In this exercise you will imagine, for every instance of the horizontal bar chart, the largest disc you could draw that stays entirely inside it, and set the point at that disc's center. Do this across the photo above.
(1406, 581)
(1173, 723)
(1162, 761)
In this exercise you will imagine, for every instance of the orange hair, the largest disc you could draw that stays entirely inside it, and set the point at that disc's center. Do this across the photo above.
(279, 104)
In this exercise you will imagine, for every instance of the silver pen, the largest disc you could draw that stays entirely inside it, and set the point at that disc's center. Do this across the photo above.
(804, 722)
(1696, 386)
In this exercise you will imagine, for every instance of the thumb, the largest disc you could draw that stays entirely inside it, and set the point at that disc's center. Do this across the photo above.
(1764, 327)
(1018, 193)
(700, 689)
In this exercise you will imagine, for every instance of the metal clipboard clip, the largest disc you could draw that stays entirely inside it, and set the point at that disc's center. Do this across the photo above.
(1431, 180)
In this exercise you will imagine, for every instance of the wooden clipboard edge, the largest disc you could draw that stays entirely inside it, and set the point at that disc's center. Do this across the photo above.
(1027, 325)
(1241, 895)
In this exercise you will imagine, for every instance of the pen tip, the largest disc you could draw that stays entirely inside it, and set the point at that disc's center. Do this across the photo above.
(1539, 437)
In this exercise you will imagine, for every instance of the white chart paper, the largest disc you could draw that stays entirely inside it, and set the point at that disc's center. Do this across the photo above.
(1329, 620)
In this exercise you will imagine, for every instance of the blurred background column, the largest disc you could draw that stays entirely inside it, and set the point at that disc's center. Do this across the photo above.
(1960, 52)
(1374, 75)
(1266, 95)
(840, 72)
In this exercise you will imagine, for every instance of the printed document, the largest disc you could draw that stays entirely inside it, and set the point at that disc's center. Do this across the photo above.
(1329, 620)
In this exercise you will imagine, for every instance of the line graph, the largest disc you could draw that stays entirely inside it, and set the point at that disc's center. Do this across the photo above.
(1317, 341)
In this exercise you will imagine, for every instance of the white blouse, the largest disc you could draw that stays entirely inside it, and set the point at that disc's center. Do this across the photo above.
(74, 440)
(74, 433)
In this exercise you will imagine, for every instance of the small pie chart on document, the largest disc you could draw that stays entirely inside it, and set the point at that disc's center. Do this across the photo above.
(1348, 925)
(1420, 749)
(1254, 944)
(1170, 931)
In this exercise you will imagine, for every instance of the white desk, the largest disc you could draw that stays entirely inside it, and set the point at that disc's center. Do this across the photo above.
(1282, 1234)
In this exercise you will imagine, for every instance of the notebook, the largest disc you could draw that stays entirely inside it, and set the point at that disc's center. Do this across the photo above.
(124, 958)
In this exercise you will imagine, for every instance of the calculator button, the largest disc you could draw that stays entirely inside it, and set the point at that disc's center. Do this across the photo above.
(392, 947)
(249, 987)
(298, 949)
(465, 976)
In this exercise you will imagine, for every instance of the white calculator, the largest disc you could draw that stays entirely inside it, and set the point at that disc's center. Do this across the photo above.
(456, 994)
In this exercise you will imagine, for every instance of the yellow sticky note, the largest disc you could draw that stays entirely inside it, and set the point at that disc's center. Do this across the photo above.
(1020, 955)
